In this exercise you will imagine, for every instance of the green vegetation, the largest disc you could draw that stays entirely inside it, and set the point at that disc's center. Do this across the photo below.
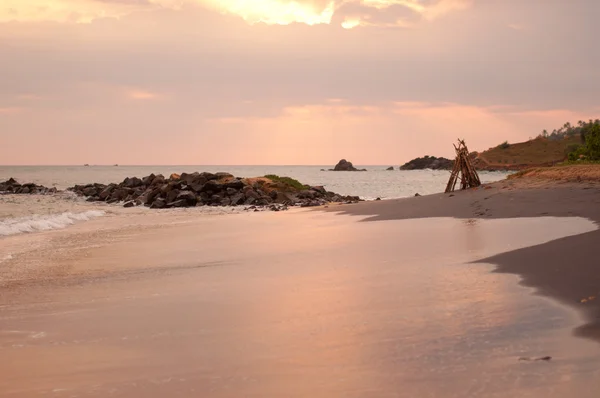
(286, 180)
(569, 131)
(504, 145)
(589, 151)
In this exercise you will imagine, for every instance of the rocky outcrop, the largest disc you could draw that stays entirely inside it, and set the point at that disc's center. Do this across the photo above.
(11, 186)
(428, 162)
(344, 165)
(390, 168)
(207, 189)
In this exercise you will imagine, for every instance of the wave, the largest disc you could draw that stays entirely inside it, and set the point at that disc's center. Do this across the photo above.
(36, 223)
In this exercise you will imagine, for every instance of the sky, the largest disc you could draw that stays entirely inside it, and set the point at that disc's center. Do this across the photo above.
(234, 82)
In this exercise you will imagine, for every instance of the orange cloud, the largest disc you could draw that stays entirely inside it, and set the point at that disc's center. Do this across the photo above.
(10, 110)
(272, 12)
(142, 95)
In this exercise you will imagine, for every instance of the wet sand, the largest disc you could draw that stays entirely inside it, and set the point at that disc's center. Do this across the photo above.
(291, 304)
(567, 269)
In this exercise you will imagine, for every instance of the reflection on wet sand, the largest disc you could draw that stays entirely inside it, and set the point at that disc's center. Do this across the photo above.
(296, 305)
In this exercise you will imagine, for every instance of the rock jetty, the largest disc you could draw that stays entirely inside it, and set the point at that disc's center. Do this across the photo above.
(208, 189)
(11, 186)
(428, 162)
(344, 165)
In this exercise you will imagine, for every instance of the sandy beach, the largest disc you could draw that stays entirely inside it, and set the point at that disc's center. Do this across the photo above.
(387, 299)
(564, 269)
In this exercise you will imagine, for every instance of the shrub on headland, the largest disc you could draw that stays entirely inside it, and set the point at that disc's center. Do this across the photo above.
(590, 150)
(286, 180)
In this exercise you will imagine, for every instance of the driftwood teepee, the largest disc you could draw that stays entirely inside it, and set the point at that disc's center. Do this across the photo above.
(463, 166)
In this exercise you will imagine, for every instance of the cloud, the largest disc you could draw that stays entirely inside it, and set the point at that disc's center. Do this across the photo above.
(11, 110)
(142, 95)
(350, 13)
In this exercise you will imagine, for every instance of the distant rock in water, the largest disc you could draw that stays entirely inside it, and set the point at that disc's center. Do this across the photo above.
(390, 168)
(207, 189)
(428, 162)
(344, 165)
(11, 186)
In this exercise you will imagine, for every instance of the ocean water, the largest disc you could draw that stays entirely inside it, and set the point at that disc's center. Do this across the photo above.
(24, 214)
(375, 182)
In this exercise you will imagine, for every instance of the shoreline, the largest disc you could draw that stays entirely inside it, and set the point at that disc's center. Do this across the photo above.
(563, 269)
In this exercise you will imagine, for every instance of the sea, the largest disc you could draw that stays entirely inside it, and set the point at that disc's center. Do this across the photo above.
(21, 214)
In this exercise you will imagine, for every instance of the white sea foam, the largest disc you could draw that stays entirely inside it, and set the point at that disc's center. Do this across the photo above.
(35, 223)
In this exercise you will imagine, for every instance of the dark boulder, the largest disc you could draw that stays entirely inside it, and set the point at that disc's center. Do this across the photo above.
(131, 203)
(133, 182)
(172, 195)
(90, 191)
(107, 192)
(390, 168)
(148, 179)
(158, 180)
(234, 184)
(190, 198)
(209, 176)
(344, 165)
(237, 199)
(225, 202)
(159, 203)
(212, 186)
(428, 162)
(178, 203)
(222, 175)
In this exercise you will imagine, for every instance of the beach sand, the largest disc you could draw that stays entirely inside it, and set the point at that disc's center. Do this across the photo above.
(567, 269)
(306, 303)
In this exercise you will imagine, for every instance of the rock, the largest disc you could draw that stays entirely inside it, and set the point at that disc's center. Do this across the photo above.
(172, 195)
(209, 176)
(177, 203)
(159, 203)
(222, 176)
(378, 198)
(189, 197)
(107, 192)
(344, 165)
(428, 162)
(174, 177)
(251, 193)
(90, 191)
(212, 186)
(306, 194)
(234, 184)
(133, 182)
(196, 189)
(390, 168)
(237, 199)
(158, 180)
(119, 194)
(148, 180)
(417, 194)
(225, 202)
